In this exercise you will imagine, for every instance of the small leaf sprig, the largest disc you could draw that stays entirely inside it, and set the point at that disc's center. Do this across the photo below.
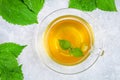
(66, 45)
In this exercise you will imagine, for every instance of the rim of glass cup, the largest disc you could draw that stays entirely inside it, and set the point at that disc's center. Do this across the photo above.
(50, 63)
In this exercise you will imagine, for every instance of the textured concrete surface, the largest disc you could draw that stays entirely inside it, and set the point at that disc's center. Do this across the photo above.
(106, 68)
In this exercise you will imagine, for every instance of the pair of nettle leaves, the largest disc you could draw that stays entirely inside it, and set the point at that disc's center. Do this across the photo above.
(90, 5)
(9, 67)
(66, 45)
(22, 12)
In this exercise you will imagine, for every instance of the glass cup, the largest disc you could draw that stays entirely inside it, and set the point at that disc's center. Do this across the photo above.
(95, 53)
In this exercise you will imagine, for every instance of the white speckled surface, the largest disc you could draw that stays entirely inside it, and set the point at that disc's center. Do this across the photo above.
(106, 68)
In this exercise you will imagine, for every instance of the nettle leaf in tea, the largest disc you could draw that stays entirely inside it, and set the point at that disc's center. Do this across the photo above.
(22, 12)
(64, 44)
(77, 52)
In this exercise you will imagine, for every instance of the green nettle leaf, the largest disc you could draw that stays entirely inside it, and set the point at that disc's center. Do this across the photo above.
(17, 12)
(0, 6)
(90, 5)
(64, 44)
(84, 5)
(9, 67)
(0, 72)
(13, 48)
(34, 5)
(76, 52)
(15, 74)
(106, 5)
(7, 60)
(14, 11)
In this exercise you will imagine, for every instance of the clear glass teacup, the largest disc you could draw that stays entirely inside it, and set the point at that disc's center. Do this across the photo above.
(95, 52)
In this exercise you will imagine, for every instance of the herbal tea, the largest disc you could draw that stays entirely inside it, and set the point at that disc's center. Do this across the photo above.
(68, 40)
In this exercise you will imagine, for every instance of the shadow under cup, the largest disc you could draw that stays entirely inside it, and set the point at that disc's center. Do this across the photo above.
(95, 52)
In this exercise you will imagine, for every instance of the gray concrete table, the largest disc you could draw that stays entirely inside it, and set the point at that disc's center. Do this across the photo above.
(106, 68)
